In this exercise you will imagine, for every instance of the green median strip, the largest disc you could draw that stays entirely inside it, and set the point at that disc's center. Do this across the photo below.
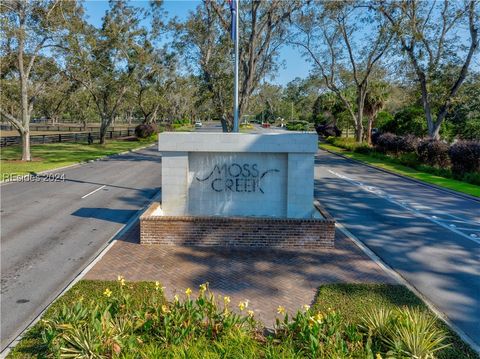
(55, 155)
(390, 165)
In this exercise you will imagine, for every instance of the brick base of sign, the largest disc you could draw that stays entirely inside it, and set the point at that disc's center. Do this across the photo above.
(237, 231)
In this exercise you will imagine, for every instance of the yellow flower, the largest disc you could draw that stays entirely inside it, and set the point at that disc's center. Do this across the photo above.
(311, 321)
(175, 298)
(251, 313)
(378, 356)
(226, 300)
(319, 317)
(188, 291)
(121, 279)
(243, 305)
(165, 308)
(203, 287)
(281, 310)
(306, 307)
(157, 285)
(107, 293)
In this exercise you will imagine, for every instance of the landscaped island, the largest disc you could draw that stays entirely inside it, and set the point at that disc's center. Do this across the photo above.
(134, 320)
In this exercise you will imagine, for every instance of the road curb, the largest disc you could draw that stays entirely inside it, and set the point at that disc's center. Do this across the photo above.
(41, 173)
(431, 185)
(95, 258)
(399, 279)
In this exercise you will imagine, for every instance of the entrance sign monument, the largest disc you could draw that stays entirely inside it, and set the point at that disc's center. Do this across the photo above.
(238, 189)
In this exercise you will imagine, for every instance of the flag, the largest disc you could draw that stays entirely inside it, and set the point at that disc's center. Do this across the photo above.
(233, 11)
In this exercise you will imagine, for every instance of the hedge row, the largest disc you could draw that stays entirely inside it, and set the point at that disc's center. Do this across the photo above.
(462, 156)
(459, 161)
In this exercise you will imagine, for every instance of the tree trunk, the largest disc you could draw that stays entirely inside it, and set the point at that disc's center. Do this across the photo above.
(369, 130)
(361, 93)
(359, 124)
(103, 131)
(435, 132)
(26, 146)
(359, 131)
(25, 113)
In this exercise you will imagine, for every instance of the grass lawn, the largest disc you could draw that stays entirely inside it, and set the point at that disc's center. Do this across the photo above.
(355, 300)
(351, 301)
(391, 165)
(53, 155)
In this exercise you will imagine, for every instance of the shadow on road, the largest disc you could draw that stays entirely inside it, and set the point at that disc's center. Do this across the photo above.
(106, 214)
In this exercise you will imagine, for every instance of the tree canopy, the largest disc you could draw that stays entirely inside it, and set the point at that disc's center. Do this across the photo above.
(413, 64)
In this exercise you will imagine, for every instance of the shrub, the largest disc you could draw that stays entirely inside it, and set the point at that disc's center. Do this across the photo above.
(375, 136)
(349, 144)
(387, 142)
(405, 333)
(363, 148)
(409, 143)
(465, 157)
(328, 130)
(343, 142)
(144, 130)
(383, 117)
(298, 125)
(390, 143)
(433, 153)
(181, 122)
(472, 177)
(471, 130)
(409, 120)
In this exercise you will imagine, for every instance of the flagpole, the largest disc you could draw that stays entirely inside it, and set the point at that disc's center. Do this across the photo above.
(235, 97)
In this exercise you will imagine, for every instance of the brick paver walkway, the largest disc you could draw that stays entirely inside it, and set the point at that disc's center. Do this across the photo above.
(266, 277)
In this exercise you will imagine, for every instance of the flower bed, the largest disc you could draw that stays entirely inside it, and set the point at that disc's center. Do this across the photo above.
(119, 319)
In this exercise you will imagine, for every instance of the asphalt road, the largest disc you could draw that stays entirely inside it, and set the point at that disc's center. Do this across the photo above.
(52, 230)
(429, 236)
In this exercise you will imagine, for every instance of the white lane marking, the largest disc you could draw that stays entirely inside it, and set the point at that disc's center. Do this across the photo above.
(98, 189)
(382, 194)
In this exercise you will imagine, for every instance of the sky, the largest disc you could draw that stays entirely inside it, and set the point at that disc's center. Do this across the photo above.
(294, 64)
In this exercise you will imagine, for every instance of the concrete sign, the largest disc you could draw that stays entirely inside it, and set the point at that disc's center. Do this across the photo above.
(235, 174)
